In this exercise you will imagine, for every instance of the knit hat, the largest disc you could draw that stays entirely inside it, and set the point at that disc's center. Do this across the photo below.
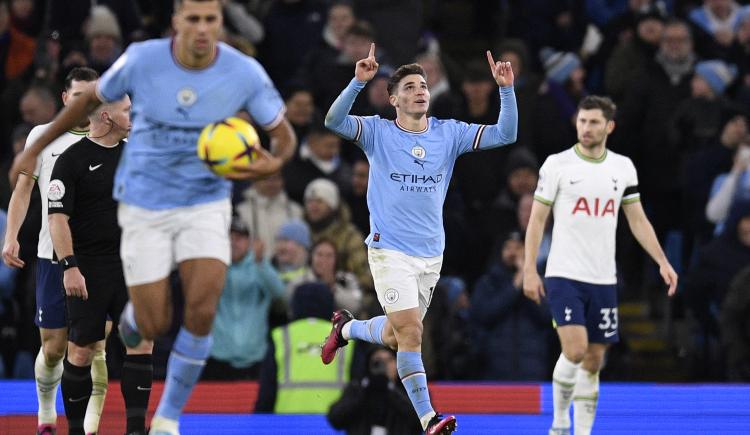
(103, 22)
(296, 231)
(558, 65)
(717, 74)
(324, 190)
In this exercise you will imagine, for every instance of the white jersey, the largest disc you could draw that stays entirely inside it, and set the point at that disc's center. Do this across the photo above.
(44, 164)
(585, 195)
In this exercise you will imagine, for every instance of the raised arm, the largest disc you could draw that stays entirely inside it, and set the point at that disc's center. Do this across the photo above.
(70, 116)
(338, 118)
(506, 129)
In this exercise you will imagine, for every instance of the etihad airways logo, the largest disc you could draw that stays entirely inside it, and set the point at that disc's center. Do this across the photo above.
(416, 179)
(417, 183)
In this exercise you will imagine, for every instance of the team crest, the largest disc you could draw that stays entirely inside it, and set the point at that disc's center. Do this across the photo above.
(418, 152)
(391, 295)
(186, 96)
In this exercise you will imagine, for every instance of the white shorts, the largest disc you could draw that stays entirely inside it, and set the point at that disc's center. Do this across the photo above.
(403, 281)
(155, 241)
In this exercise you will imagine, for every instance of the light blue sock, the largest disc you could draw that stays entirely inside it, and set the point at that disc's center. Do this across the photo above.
(370, 331)
(411, 372)
(185, 365)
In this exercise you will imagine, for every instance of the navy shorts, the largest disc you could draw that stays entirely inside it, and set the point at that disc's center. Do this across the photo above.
(591, 305)
(50, 295)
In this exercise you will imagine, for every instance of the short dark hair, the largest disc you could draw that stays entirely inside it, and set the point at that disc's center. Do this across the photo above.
(605, 104)
(178, 3)
(403, 71)
(80, 74)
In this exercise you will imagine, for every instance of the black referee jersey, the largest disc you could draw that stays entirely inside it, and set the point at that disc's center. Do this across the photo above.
(81, 187)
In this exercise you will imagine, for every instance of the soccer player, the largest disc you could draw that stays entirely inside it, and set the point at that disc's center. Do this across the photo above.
(173, 210)
(585, 186)
(50, 295)
(86, 238)
(411, 162)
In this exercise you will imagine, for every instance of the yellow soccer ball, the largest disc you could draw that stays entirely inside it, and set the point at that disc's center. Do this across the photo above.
(226, 143)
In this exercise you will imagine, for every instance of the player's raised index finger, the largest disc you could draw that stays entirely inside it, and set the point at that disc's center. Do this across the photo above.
(491, 60)
(372, 51)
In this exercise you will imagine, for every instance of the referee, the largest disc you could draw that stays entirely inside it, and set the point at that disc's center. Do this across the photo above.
(86, 237)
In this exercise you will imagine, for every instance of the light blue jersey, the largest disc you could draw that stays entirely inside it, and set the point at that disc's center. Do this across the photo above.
(171, 104)
(410, 171)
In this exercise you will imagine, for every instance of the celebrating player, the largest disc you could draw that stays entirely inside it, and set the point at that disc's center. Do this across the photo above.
(172, 208)
(50, 295)
(411, 163)
(585, 187)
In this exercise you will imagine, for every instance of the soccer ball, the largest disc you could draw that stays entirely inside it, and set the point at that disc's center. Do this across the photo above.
(225, 143)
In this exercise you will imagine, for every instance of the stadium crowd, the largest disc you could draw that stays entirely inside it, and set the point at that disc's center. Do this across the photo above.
(679, 72)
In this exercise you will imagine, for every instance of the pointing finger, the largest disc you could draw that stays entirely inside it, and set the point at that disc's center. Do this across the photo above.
(491, 60)
(372, 51)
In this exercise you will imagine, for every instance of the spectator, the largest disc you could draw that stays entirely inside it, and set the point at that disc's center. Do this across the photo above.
(242, 24)
(715, 25)
(437, 81)
(357, 197)
(377, 403)
(526, 86)
(644, 113)
(328, 219)
(730, 189)
(292, 252)
(511, 332)
(630, 57)
(292, 379)
(240, 329)
(709, 280)
(67, 18)
(340, 19)
(347, 293)
(38, 106)
(376, 91)
(734, 333)
(319, 157)
(104, 39)
(521, 171)
(300, 111)
(265, 207)
(16, 47)
(557, 103)
(702, 166)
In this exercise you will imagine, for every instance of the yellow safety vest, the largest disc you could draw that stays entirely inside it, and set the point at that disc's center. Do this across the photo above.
(305, 385)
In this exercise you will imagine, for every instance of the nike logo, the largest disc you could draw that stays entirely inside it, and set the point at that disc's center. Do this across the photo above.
(575, 181)
(56, 155)
(94, 168)
(143, 388)
(609, 334)
(72, 400)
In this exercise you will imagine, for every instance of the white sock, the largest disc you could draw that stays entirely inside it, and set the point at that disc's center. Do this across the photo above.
(47, 380)
(346, 330)
(585, 399)
(563, 383)
(99, 380)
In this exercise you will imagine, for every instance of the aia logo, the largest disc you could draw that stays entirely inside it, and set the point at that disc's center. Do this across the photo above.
(596, 208)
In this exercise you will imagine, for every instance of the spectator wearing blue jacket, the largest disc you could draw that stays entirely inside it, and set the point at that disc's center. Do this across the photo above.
(240, 330)
(511, 333)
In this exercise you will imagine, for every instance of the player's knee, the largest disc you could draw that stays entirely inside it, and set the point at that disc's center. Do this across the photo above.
(53, 351)
(81, 355)
(575, 354)
(152, 327)
(410, 335)
(199, 318)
